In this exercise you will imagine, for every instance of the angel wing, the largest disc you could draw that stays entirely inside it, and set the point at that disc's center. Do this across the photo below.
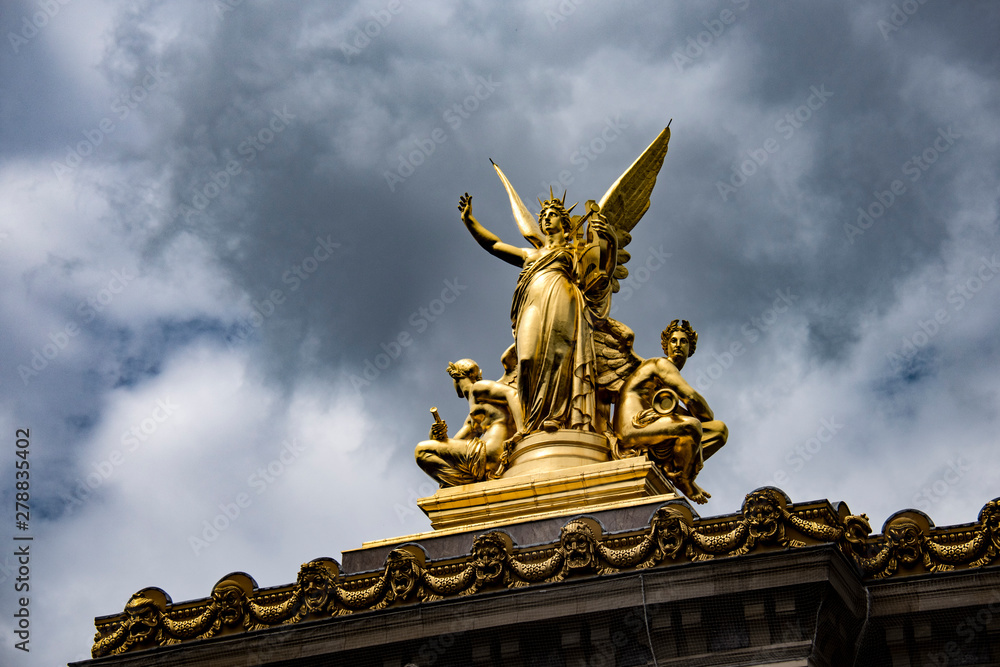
(627, 200)
(525, 221)
(616, 359)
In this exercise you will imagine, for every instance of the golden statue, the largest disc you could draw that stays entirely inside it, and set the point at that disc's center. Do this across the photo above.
(571, 364)
(552, 314)
(660, 414)
(476, 452)
(567, 278)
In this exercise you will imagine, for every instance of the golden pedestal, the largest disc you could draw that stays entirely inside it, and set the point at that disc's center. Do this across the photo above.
(550, 474)
(551, 452)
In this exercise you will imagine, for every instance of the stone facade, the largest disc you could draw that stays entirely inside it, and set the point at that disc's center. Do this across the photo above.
(777, 584)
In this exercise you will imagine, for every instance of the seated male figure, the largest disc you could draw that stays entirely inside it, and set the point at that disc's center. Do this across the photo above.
(678, 434)
(476, 451)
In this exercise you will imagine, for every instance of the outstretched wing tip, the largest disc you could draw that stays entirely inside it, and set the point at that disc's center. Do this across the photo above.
(627, 200)
(526, 222)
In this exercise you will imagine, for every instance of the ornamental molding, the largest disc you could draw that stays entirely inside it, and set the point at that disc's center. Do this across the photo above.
(909, 545)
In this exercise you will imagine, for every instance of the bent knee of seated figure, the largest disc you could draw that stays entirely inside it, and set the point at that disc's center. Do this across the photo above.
(661, 430)
(689, 427)
(717, 428)
(428, 450)
(420, 453)
(716, 434)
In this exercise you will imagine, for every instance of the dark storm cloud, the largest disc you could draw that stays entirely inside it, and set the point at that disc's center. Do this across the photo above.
(283, 180)
(362, 118)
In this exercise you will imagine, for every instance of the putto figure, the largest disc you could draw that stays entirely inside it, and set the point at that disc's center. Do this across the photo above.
(476, 451)
(659, 413)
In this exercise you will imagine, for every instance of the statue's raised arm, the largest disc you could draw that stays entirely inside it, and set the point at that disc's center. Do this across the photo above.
(487, 239)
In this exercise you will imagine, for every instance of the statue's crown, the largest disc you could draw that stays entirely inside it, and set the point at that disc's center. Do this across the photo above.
(557, 203)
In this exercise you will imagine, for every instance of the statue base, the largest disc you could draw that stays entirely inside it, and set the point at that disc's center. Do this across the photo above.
(558, 450)
(533, 490)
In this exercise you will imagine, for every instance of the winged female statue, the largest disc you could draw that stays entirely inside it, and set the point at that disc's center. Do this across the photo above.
(568, 275)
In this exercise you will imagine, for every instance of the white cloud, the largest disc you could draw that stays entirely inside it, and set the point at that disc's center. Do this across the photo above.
(161, 337)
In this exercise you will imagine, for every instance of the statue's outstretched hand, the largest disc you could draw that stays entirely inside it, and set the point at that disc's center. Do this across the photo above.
(465, 205)
(599, 225)
(439, 431)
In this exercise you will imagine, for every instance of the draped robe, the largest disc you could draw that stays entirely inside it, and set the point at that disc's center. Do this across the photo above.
(553, 335)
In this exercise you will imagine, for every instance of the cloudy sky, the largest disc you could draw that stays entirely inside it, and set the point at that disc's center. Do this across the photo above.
(234, 269)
